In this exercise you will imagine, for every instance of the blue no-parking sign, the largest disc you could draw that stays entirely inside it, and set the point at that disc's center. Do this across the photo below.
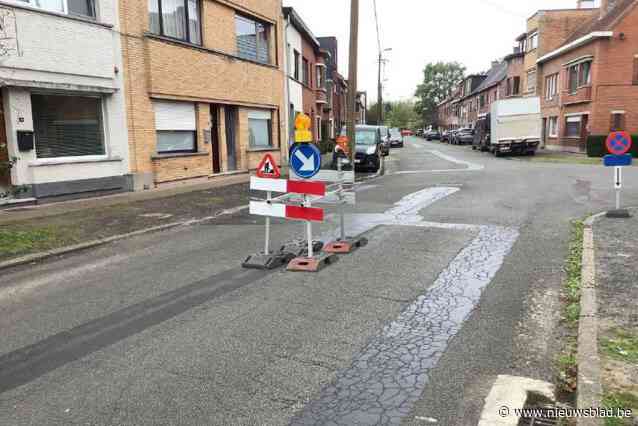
(305, 160)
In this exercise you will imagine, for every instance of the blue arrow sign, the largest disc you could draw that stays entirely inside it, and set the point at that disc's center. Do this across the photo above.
(305, 160)
(617, 160)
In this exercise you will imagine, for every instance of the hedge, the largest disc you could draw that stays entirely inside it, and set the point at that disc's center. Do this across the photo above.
(596, 146)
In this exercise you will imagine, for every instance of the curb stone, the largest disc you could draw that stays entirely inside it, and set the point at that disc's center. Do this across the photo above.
(36, 257)
(589, 381)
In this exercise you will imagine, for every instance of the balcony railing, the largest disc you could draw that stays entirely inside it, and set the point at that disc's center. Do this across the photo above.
(581, 95)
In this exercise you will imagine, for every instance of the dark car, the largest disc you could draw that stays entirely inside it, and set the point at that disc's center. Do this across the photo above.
(396, 138)
(465, 136)
(368, 150)
(432, 135)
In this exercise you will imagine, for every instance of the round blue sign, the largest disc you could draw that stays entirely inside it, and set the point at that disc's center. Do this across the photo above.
(305, 160)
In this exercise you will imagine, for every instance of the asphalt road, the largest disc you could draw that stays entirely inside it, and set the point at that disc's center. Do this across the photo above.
(459, 284)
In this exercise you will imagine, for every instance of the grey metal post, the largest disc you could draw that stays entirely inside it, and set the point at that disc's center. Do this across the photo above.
(267, 242)
(309, 227)
(341, 213)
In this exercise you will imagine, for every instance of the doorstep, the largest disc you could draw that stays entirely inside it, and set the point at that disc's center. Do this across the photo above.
(16, 202)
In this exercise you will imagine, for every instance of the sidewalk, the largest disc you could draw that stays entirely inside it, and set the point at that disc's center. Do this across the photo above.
(35, 229)
(616, 248)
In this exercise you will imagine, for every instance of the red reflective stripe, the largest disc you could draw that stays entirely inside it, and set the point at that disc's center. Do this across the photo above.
(310, 188)
(304, 213)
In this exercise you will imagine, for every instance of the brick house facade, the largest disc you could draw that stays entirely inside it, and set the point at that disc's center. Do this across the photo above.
(307, 77)
(590, 83)
(205, 87)
(63, 109)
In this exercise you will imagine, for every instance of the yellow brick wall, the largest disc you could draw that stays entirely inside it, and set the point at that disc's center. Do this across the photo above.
(160, 69)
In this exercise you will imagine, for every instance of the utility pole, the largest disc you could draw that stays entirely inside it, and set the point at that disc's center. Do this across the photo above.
(352, 76)
(380, 93)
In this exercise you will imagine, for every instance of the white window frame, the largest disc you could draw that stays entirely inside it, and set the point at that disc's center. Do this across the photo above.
(318, 125)
(534, 80)
(65, 7)
(552, 84)
(262, 114)
(169, 124)
(552, 127)
(533, 41)
(84, 158)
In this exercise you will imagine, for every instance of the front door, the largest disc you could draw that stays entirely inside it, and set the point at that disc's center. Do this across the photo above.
(231, 137)
(545, 132)
(5, 173)
(214, 138)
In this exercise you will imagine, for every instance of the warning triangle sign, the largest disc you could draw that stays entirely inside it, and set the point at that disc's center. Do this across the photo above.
(267, 168)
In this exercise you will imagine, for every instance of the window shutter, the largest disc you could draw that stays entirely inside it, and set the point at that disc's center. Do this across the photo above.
(174, 115)
(259, 114)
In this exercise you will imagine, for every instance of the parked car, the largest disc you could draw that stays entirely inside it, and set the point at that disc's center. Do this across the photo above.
(452, 136)
(465, 136)
(419, 132)
(432, 135)
(368, 149)
(445, 136)
(385, 140)
(396, 138)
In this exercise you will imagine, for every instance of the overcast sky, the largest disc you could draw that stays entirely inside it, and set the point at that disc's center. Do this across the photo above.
(473, 32)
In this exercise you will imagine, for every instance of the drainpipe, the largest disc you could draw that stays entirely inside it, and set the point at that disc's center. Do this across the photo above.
(287, 94)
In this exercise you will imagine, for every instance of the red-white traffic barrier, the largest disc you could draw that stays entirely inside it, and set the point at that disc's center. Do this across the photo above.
(288, 186)
(263, 208)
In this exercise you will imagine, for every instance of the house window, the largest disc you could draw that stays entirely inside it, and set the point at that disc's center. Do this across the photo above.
(85, 8)
(552, 127)
(319, 74)
(617, 121)
(635, 74)
(584, 77)
(253, 41)
(551, 86)
(306, 72)
(296, 71)
(516, 86)
(178, 19)
(579, 75)
(533, 41)
(318, 126)
(260, 128)
(531, 81)
(572, 127)
(176, 127)
(67, 126)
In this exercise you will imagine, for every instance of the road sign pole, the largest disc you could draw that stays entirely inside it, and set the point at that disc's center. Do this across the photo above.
(267, 243)
(308, 204)
(342, 224)
(618, 184)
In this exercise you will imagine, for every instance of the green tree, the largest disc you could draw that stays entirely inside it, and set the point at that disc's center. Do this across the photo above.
(439, 80)
(402, 114)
